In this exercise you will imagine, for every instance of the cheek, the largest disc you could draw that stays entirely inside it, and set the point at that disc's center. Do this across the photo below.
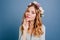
(33, 17)
(26, 13)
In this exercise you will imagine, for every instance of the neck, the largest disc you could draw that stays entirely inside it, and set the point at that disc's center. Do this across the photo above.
(31, 24)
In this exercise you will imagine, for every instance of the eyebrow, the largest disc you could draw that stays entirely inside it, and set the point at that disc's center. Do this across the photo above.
(32, 11)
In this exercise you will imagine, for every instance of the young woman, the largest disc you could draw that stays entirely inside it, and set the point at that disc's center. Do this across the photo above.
(32, 27)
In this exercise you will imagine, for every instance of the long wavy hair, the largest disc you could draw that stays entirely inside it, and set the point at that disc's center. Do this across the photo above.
(37, 29)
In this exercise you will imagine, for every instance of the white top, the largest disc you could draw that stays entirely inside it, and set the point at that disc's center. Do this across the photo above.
(29, 37)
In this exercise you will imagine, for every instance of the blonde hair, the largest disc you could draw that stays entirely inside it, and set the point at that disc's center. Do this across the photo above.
(37, 29)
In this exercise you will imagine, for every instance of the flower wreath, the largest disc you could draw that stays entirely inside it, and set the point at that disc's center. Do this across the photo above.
(36, 3)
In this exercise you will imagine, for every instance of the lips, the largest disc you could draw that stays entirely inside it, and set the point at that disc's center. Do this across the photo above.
(27, 17)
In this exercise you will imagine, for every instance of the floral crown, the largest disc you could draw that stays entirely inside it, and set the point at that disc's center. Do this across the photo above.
(37, 4)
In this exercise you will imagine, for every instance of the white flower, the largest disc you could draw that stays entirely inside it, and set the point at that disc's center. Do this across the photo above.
(29, 3)
(42, 11)
(35, 2)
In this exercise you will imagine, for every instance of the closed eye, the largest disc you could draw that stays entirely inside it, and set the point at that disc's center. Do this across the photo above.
(33, 12)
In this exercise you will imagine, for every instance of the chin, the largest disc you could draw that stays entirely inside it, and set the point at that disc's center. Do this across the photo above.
(28, 19)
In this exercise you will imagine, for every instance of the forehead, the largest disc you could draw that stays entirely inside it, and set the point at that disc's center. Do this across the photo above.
(31, 8)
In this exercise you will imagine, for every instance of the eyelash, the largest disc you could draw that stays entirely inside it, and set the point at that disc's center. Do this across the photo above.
(33, 13)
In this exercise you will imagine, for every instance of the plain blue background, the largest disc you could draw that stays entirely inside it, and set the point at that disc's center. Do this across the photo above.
(11, 12)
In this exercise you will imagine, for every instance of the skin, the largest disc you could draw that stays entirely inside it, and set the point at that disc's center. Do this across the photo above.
(30, 16)
(29, 20)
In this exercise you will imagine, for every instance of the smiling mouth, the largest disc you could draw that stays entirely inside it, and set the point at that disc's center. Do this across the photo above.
(27, 17)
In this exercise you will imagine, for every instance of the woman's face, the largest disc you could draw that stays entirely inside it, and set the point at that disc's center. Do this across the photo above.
(30, 13)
